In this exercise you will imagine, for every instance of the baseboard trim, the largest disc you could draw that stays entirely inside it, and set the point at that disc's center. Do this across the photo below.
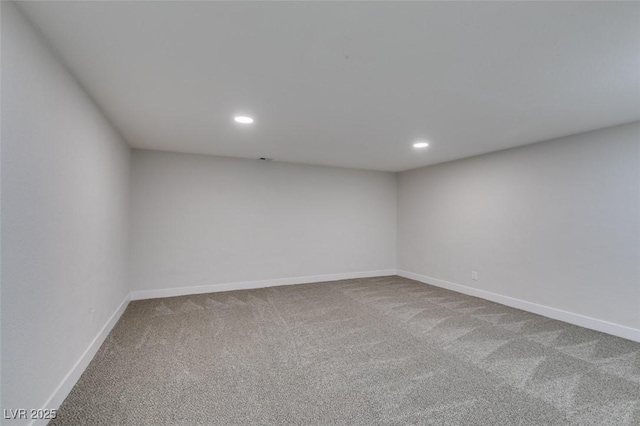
(547, 311)
(69, 381)
(245, 285)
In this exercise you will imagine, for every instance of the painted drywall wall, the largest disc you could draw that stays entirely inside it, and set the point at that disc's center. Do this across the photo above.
(555, 223)
(204, 220)
(65, 196)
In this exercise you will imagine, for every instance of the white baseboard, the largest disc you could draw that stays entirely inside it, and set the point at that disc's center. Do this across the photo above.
(557, 314)
(69, 381)
(245, 285)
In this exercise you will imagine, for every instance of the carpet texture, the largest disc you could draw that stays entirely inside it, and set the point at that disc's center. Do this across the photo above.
(385, 350)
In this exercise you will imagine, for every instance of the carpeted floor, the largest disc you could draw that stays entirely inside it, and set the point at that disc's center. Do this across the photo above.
(382, 350)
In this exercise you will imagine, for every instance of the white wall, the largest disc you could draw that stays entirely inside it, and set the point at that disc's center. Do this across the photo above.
(555, 223)
(203, 220)
(65, 195)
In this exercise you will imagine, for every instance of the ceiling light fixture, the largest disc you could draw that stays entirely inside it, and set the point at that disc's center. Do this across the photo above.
(421, 144)
(243, 119)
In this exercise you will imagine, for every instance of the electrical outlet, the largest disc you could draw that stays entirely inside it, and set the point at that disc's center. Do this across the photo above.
(474, 275)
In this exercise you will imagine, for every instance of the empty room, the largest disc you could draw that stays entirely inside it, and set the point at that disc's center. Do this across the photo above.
(320, 213)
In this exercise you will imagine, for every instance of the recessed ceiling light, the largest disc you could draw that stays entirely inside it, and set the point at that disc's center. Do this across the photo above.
(421, 144)
(243, 119)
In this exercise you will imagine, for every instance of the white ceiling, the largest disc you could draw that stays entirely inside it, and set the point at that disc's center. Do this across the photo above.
(351, 84)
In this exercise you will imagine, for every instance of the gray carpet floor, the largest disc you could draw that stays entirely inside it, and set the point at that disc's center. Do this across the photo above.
(382, 350)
